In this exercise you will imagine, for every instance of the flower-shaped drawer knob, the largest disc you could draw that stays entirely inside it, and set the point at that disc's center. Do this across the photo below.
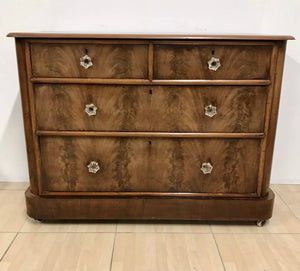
(93, 167)
(214, 63)
(91, 109)
(210, 110)
(206, 168)
(86, 62)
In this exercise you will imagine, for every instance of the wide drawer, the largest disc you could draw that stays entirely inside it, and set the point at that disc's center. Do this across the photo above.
(150, 108)
(108, 60)
(145, 164)
(226, 62)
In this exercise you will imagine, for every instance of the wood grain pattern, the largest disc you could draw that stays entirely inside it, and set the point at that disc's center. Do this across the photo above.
(145, 108)
(109, 61)
(146, 164)
(190, 62)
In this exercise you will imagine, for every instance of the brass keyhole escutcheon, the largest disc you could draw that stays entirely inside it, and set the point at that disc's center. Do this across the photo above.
(214, 63)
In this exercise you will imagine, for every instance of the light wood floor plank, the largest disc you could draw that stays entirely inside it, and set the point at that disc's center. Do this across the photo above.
(291, 196)
(260, 252)
(12, 210)
(165, 252)
(164, 227)
(32, 225)
(59, 251)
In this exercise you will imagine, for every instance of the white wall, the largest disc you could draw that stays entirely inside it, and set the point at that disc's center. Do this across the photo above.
(153, 16)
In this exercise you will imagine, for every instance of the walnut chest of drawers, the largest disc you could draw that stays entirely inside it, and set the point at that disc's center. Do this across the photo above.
(167, 127)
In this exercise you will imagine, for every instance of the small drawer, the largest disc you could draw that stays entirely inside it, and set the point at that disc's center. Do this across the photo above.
(72, 164)
(212, 62)
(150, 108)
(89, 60)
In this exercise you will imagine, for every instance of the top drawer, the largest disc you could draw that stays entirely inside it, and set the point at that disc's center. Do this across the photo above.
(108, 60)
(191, 61)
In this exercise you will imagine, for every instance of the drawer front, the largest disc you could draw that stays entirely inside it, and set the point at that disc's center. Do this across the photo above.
(155, 108)
(191, 62)
(165, 165)
(108, 60)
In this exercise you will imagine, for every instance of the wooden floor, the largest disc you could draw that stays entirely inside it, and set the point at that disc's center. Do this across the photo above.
(27, 245)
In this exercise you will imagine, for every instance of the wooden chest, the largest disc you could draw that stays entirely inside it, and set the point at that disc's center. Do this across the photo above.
(150, 126)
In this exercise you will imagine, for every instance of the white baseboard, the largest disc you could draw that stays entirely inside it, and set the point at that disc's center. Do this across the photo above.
(285, 181)
(14, 181)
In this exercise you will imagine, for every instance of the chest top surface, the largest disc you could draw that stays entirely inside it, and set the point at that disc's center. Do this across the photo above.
(149, 36)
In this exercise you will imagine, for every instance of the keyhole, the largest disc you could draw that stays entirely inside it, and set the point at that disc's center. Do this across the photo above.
(213, 52)
(86, 51)
(150, 91)
(150, 142)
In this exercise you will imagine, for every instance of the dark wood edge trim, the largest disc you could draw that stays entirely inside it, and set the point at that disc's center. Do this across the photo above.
(251, 82)
(35, 140)
(150, 61)
(149, 134)
(54, 80)
(147, 194)
(29, 136)
(155, 42)
(216, 42)
(273, 63)
(270, 138)
(49, 80)
(148, 36)
(90, 41)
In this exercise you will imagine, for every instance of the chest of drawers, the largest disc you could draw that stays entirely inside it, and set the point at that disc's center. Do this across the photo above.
(150, 126)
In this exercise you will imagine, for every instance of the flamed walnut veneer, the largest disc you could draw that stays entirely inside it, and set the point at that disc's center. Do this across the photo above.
(159, 127)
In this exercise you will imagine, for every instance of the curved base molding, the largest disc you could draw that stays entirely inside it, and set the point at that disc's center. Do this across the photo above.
(150, 208)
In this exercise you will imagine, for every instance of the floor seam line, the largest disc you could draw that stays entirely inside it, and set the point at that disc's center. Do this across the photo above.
(277, 193)
(63, 232)
(188, 233)
(255, 233)
(219, 252)
(25, 220)
(12, 241)
(113, 249)
(153, 232)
